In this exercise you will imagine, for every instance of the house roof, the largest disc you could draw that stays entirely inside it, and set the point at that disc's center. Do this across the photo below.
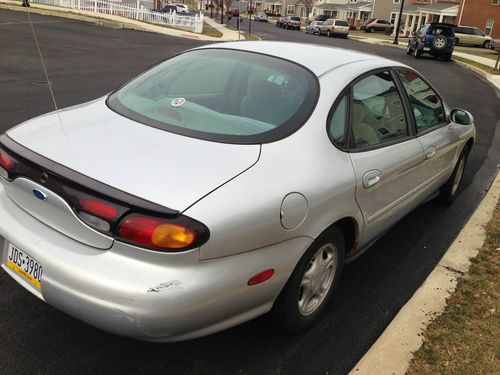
(353, 6)
(436, 7)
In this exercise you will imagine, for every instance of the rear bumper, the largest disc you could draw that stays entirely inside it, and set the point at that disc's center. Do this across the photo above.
(143, 294)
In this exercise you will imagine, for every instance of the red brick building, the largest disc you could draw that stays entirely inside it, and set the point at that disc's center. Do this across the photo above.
(483, 14)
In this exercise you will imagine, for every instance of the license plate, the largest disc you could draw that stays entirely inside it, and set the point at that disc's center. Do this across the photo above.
(24, 265)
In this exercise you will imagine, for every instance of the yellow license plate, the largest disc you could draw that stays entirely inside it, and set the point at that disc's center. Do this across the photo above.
(24, 265)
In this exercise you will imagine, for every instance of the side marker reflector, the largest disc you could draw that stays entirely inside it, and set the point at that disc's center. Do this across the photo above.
(261, 277)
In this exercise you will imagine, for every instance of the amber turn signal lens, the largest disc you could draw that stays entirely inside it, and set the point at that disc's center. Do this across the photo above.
(172, 236)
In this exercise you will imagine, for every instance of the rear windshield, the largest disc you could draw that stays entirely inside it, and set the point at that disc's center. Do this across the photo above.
(341, 23)
(221, 95)
(295, 18)
(442, 30)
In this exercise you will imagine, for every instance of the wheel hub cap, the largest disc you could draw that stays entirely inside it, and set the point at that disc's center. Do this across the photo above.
(317, 279)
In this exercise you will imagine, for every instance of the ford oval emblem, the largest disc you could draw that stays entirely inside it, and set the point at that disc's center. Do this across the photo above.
(39, 194)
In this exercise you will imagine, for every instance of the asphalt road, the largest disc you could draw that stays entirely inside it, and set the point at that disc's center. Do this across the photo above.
(85, 61)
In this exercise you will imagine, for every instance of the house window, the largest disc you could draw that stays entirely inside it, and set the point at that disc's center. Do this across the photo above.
(489, 26)
(393, 17)
(495, 2)
(396, 1)
(290, 9)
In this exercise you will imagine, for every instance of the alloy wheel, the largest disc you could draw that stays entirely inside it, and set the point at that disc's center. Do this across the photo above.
(317, 279)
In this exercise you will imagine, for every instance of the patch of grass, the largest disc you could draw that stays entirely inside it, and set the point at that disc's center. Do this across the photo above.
(244, 33)
(210, 31)
(486, 68)
(465, 339)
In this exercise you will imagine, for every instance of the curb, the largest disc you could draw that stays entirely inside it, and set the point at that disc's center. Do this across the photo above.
(393, 350)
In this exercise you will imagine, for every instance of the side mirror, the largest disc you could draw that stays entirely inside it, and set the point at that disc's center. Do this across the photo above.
(461, 116)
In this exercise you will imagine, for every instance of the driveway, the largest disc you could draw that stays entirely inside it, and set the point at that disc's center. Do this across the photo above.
(84, 62)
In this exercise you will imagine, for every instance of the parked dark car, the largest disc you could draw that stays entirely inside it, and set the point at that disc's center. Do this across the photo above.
(234, 12)
(321, 17)
(436, 39)
(291, 22)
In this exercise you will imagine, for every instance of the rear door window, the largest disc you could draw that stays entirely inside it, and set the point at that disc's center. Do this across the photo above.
(377, 112)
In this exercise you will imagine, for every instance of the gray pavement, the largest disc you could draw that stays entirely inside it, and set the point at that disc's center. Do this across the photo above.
(85, 61)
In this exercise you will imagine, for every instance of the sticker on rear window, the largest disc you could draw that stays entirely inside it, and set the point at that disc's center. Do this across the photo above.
(177, 102)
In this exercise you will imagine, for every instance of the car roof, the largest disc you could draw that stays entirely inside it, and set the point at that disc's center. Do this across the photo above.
(318, 59)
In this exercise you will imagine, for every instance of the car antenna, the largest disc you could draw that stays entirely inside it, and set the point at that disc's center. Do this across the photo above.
(41, 59)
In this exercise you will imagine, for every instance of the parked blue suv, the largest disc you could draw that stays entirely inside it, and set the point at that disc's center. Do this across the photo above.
(436, 39)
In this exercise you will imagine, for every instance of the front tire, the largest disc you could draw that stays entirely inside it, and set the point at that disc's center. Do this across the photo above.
(328, 34)
(451, 188)
(312, 283)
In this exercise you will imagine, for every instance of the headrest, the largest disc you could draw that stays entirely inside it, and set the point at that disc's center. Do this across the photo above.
(264, 90)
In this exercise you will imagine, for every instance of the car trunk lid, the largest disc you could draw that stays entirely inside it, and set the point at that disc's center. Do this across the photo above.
(161, 168)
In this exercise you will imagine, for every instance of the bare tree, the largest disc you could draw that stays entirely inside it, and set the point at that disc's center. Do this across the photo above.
(228, 4)
(308, 5)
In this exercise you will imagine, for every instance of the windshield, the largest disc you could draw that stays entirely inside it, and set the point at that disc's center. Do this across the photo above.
(222, 95)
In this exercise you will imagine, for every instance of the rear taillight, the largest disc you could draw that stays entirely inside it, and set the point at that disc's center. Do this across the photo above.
(98, 214)
(6, 164)
(181, 233)
(422, 39)
(6, 161)
(99, 208)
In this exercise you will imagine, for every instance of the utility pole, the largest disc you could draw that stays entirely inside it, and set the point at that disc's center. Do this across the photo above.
(222, 12)
(250, 12)
(399, 22)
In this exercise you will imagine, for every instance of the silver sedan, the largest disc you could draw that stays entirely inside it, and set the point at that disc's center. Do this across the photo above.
(224, 183)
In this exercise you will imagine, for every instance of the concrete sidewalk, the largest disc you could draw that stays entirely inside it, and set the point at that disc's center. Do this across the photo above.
(121, 22)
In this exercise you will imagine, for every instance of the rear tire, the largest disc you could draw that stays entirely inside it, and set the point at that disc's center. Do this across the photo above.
(328, 34)
(312, 283)
(451, 188)
(417, 53)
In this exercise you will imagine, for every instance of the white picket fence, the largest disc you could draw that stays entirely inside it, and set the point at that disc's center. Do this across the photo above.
(135, 11)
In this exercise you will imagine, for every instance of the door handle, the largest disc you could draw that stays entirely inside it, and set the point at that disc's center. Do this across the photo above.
(371, 178)
(431, 151)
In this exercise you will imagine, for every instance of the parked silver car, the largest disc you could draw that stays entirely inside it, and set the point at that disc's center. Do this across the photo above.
(261, 17)
(334, 27)
(313, 27)
(473, 36)
(223, 183)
